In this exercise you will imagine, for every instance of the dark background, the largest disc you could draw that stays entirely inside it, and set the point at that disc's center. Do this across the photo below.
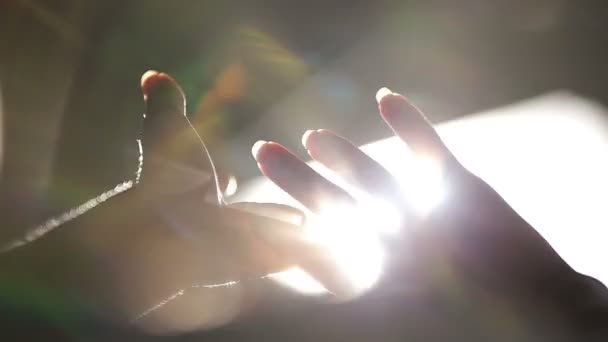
(70, 73)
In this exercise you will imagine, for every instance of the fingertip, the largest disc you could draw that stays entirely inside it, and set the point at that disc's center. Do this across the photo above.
(162, 95)
(255, 149)
(319, 141)
(268, 151)
(270, 155)
(381, 93)
(308, 136)
(149, 81)
(397, 111)
(152, 80)
(145, 78)
(411, 125)
(391, 101)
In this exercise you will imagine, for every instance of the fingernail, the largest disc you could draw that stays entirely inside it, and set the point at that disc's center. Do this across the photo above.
(151, 80)
(256, 148)
(146, 76)
(382, 92)
(306, 136)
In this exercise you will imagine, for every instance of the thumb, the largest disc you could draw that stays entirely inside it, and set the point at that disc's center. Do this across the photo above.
(174, 157)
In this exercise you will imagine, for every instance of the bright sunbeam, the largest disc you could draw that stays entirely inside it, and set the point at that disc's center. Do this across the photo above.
(424, 188)
(565, 188)
(420, 177)
(353, 233)
(349, 234)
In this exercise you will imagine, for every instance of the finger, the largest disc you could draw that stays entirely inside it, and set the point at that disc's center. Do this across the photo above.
(350, 163)
(296, 178)
(411, 125)
(165, 108)
(263, 245)
(236, 236)
(174, 159)
(278, 245)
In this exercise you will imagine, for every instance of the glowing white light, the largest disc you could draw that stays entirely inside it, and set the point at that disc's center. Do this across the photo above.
(420, 177)
(348, 232)
(546, 156)
(299, 280)
(231, 187)
(353, 232)
(424, 187)
(379, 215)
(352, 235)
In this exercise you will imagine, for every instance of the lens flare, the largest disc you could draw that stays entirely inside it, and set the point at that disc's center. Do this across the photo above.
(348, 232)
(424, 189)
(353, 233)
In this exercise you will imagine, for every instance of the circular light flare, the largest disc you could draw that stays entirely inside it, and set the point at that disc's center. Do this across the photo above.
(424, 188)
(348, 234)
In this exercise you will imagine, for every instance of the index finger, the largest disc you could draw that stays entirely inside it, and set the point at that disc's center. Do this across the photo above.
(296, 178)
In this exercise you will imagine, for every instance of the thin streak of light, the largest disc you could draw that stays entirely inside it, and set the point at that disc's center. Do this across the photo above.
(140, 161)
(212, 286)
(179, 294)
(39, 231)
(218, 190)
(195, 286)
(159, 305)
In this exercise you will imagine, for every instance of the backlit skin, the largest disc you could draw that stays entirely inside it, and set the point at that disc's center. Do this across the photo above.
(472, 243)
(475, 230)
(163, 235)
(472, 269)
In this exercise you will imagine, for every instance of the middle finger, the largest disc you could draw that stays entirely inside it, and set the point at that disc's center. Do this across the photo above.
(352, 164)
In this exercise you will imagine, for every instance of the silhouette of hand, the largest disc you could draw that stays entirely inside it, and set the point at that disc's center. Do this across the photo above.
(472, 243)
(170, 233)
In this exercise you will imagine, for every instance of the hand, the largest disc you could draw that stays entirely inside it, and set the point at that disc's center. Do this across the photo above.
(170, 233)
(472, 241)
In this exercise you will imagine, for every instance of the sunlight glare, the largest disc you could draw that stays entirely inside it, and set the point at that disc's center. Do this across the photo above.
(297, 279)
(353, 233)
(565, 188)
(424, 189)
(350, 236)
